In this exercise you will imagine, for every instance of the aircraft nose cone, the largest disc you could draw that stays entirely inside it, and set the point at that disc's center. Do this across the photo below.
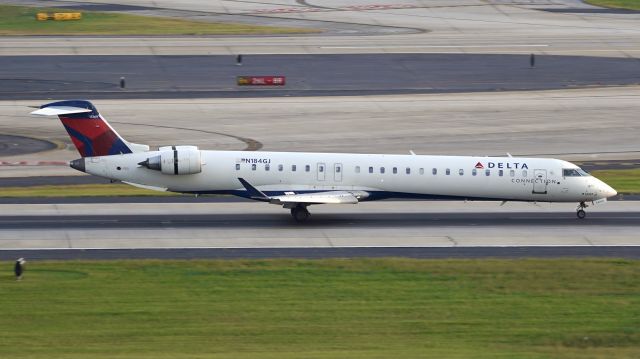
(78, 164)
(608, 191)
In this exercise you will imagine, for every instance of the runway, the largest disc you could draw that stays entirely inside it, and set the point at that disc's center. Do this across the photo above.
(36, 77)
(236, 229)
(325, 221)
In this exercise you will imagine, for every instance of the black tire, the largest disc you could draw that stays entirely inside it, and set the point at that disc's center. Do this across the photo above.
(581, 213)
(300, 214)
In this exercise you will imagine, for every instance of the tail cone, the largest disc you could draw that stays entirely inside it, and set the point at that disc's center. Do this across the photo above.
(78, 164)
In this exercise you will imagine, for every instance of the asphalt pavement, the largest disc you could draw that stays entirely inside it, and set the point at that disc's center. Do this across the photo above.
(98, 77)
(353, 221)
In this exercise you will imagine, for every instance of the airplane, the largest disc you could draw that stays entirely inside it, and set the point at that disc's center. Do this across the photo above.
(297, 180)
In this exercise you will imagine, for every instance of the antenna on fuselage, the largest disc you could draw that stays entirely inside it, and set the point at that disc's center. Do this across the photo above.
(508, 154)
(412, 153)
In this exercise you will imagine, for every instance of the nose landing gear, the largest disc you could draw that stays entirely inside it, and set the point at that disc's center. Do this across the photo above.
(581, 213)
(300, 213)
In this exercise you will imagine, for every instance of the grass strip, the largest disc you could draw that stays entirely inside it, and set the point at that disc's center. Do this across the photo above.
(623, 181)
(20, 20)
(617, 4)
(359, 308)
(84, 190)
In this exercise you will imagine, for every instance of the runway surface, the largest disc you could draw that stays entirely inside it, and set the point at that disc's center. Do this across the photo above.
(97, 77)
(353, 221)
(219, 229)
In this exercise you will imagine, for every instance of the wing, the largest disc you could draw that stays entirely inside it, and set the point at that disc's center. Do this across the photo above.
(327, 197)
(324, 197)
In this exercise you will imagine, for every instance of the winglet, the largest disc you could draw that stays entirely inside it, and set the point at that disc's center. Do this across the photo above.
(254, 193)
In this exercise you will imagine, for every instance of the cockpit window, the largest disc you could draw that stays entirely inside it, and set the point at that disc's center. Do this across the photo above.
(574, 172)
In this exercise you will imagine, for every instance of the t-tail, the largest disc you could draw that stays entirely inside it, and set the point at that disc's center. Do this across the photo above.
(90, 132)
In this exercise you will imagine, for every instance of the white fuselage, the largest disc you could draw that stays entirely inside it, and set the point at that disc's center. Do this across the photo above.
(380, 176)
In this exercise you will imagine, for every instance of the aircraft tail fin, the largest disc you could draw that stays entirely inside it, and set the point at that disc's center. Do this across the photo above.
(90, 132)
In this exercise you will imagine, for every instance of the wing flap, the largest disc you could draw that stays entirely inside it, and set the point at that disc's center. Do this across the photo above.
(321, 197)
(329, 197)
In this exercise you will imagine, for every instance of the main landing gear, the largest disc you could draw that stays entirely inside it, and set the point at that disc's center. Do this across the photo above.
(300, 213)
(581, 213)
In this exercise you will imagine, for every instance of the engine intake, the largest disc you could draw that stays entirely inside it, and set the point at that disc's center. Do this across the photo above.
(175, 160)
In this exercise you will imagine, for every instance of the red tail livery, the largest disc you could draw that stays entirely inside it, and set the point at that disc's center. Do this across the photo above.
(89, 131)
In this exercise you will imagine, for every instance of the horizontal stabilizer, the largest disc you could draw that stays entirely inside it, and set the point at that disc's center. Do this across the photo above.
(59, 110)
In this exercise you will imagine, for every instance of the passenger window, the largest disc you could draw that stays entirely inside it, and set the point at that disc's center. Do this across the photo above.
(474, 172)
(320, 168)
(500, 173)
(293, 168)
(381, 169)
(267, 167)
(280, 168)
(447, 172)
(434, 171)
(253, 167)
(524, 173)
(307, 168)
(357, 169)
(422, 171)
(337, 169)
(395, 170)
(408, 170)
(461, 172)
(512, 173)
(370, 169)
(237, 167)
(487, 172)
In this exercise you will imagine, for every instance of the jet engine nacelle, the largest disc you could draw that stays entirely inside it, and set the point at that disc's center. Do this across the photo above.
(175, 160)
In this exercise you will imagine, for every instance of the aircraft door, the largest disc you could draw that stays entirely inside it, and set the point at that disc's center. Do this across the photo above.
(337, 172)
(540, 182)
(322, 171)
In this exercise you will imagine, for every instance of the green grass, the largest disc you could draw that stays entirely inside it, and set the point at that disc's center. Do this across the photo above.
(619, 4)
(88, 190)
(623, 181)
(20, 20)
(364, 308)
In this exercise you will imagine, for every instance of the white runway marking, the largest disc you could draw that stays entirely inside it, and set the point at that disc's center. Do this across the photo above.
(433, 46)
